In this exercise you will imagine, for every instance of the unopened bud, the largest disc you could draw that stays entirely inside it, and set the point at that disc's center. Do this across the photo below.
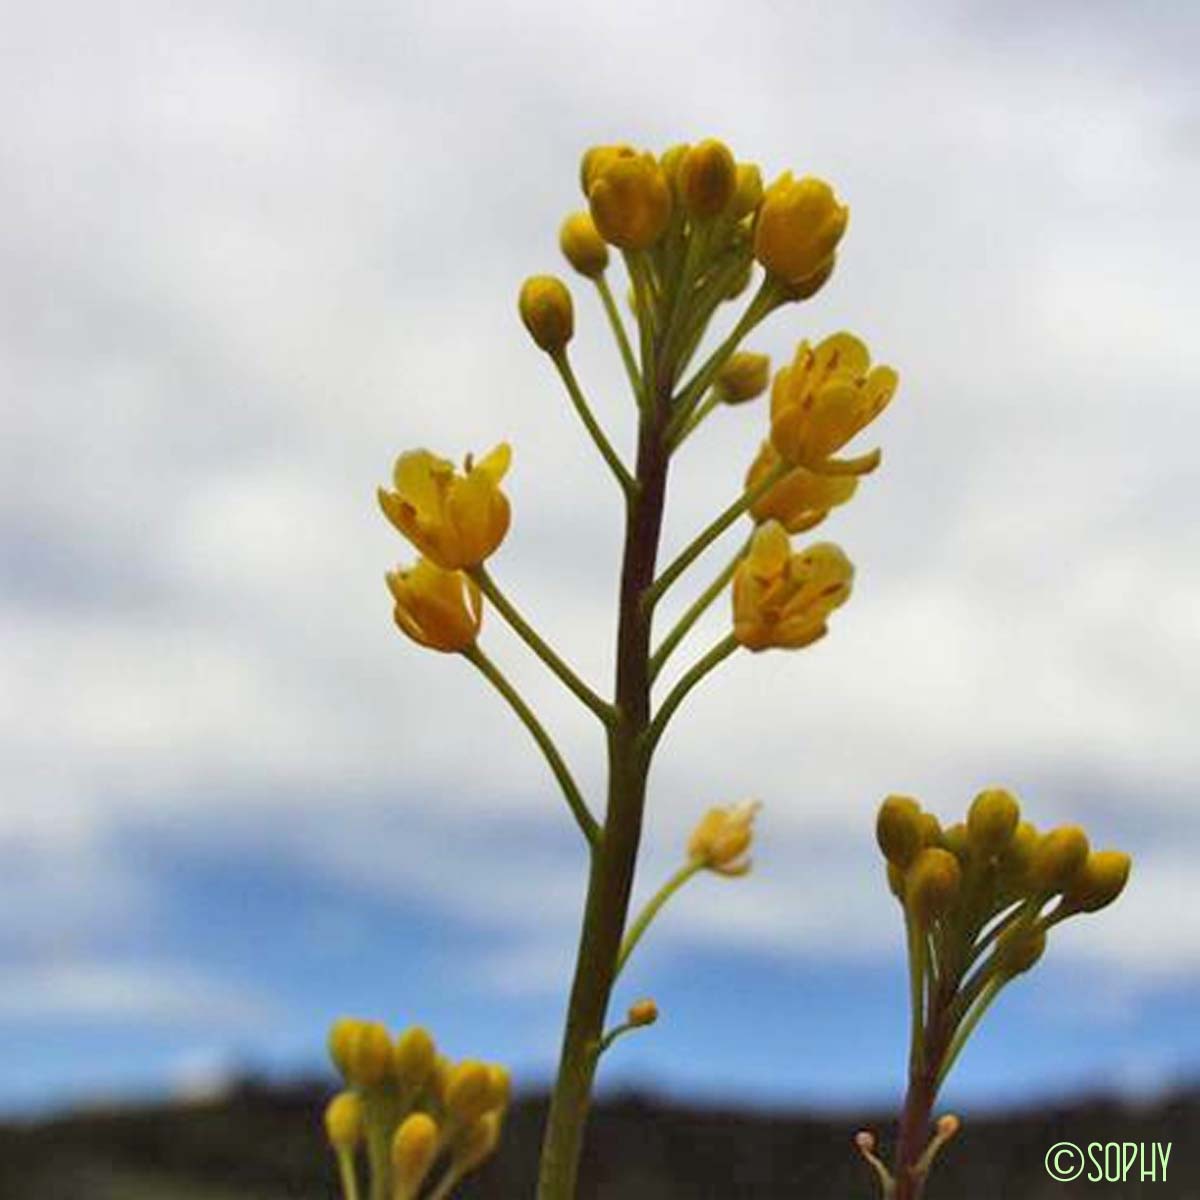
(546, 308)
(932, 884)
(643, 1012)
(1100, 881)
(344, 1121)
(414, 1148)
(1019, 947)
(744, 376)
(992, 820)
(469, 1091)
(582, 245)
(1057, 858)
(413, 1057)
(898, 829)
(707, 179)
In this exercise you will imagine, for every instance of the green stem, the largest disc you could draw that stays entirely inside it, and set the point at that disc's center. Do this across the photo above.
(653, 907)
(916, 989)
(967, 1026)
(765, 299)
(447, 1183)
(347, 1174)
(575, 800)
(706, 537)
(694, 674)
(699, 415)
(618, 330)
(610, 456)
(700, 606)
(643, 293)
(531, 638)
(610, 880)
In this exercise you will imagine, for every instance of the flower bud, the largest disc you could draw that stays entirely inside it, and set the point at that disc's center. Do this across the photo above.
(707, 179)
(582, 245)
(597, 158)
(342, 1035)
(643, 1012)
(371, 1055)
(992, 820)
(1018, 854)
(898, 829)
(895, 879)
(744, 376)
(545, 307)
(413, 1058)
(344, 1121)
(414, 1148)
(478, 1143)
(630, 201)
(1057, 858)
(931, 830)
(469, 1091)
(932, 884)
(800, 223)
(954, 839)
(1100, 881)
(1019, 947)
(749, 191)
(500, 1085)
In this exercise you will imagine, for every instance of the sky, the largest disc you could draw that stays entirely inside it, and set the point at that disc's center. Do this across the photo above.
(249, 252)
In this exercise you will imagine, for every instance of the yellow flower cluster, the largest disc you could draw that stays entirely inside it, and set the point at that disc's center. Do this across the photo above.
(455, 520)
(411, 1108)
(994, 862)
(979, 899)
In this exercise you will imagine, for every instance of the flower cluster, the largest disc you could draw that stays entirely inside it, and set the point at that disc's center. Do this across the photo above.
(979, 900)
(412, 1109)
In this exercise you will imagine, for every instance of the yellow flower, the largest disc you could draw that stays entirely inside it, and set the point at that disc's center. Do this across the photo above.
(436, 608)
(784, 599)
(800, 223)
(455, 520)
(582, 245)
(824, 398)
(722, 839)
(546, 309)
(597, 158)
(630, 199)
(801, 499)
(708, 179)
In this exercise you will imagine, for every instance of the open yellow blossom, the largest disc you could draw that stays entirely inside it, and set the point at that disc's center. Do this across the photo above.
(722, 839)
(456, 520)
(826, 396)
(783, 599)
(800, 223)
(630, 199)
(801, 499)
(437, 608)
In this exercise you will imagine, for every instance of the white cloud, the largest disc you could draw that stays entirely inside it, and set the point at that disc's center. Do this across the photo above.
(257, 254)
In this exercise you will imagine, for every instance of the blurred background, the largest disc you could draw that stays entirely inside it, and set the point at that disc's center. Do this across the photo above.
(251, 251)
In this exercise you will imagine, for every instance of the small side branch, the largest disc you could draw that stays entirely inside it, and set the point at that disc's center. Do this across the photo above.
(610, 456)
(695, 673)
(532, 639)
(574, 797)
